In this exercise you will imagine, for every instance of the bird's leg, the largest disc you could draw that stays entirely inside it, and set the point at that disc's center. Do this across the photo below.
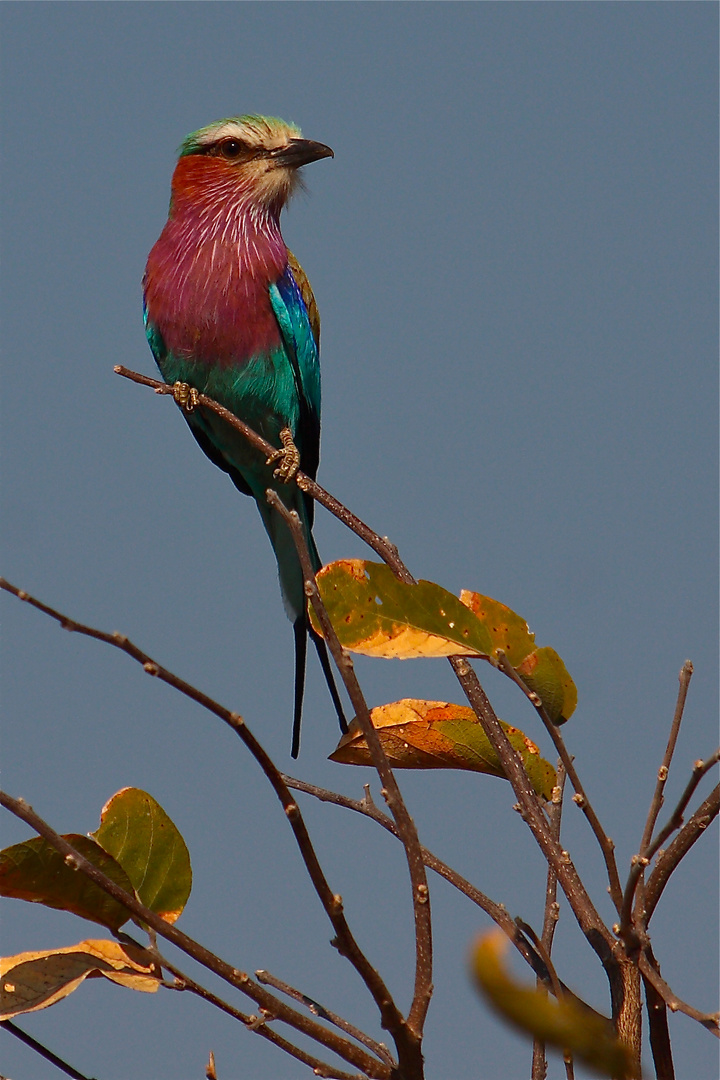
(289, 458)
(185, 395)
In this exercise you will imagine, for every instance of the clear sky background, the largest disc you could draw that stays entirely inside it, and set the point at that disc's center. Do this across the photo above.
(514, 254)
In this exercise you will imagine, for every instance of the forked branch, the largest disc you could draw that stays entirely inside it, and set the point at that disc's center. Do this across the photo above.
(273, 1006)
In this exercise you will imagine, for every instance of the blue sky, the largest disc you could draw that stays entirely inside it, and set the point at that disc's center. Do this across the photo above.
(515, 256)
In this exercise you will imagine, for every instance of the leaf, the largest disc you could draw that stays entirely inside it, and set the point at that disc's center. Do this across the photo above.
(375, 614)
(35, 980)
(35, 871)
(563, 1024)
(541, 669)
(419, 734)
(138, 833)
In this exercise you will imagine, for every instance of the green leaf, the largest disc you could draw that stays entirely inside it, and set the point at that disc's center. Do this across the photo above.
(375, 614)
(563, 1024)
(418, 734)
(138, 833)
(35, 871)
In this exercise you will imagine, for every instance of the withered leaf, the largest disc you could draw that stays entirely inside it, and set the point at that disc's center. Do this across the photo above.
(35, 980)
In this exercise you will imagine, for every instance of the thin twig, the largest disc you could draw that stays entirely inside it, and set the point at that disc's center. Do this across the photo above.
(550, 917)
(580, 798)
(497, 912)
(539, 1062)
(43, 1051)
(552, 909)
(391, 793)
(667, 861)
(711, 1021)
(628, 931)
(391, 1017)
(657, 799)
(582, 906)
(239, 979)
(700, 768)
(379, 1049)
(257, 1025)
(631, 933)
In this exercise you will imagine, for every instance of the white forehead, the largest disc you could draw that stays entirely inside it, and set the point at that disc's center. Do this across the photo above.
(254, 131)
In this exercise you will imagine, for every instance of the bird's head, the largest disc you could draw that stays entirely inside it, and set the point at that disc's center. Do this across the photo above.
(256, 157)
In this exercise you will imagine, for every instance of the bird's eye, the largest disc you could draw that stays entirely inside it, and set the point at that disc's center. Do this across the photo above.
(231, 149)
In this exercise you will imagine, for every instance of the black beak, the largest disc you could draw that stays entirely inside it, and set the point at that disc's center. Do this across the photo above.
(301, 152)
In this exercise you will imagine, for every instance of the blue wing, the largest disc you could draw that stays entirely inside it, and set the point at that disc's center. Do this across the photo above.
(300, 340)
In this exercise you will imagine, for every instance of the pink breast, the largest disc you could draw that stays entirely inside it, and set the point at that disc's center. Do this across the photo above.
(206, 285)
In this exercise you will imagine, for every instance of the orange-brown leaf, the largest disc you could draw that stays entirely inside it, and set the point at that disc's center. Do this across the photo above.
(418, 734)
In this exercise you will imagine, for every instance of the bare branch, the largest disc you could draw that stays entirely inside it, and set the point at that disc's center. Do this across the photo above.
(711, 1021)
(631, 934)
(580, 798)
(668, 860)
(552, 910)
(332, 903)
(391, 793)
(239, 979)
(628, 931)
(379, 1049)
(257, 1025)
(658, 1030)
(550, 917)
(582, 906)
(43, 1051)
(700, 768)
(497, 912)
(657, 799)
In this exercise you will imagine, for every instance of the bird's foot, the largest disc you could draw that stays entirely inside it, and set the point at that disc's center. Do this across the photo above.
(289, 458)
(185, 395)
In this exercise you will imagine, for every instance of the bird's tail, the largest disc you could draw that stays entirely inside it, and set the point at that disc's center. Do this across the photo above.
(293, 592)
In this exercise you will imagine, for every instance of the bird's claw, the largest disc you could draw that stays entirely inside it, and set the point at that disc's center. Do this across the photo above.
(289, 458)
(186, 396)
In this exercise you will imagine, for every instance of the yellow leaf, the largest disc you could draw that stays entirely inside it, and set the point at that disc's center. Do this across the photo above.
(563, 1024)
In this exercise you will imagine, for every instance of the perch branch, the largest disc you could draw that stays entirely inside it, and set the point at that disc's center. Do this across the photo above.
(380, 545)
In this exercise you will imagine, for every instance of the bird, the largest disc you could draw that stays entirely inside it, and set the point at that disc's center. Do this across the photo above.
(230, 313)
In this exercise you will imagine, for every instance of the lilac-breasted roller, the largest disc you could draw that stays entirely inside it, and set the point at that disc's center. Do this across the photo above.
(230, 313)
